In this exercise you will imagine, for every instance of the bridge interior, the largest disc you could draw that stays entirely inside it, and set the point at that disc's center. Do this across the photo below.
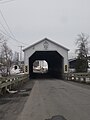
(55, 64)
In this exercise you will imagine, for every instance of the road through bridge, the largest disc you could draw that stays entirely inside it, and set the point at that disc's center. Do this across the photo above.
(57, 98)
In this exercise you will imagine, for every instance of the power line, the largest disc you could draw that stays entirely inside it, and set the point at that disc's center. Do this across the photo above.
(4, 27)
(2, 1)
(6, 23)
(13, 38)
(8, 29)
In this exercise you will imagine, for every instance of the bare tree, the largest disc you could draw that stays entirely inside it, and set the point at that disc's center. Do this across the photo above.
(6, 57)
(82, 52)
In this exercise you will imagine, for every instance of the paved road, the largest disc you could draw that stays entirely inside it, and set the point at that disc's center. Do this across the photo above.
(55, 97)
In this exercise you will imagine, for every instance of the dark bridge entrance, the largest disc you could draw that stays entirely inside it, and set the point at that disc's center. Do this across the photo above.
(55, 64)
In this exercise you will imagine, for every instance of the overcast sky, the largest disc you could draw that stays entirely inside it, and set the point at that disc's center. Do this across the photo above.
(58, 20)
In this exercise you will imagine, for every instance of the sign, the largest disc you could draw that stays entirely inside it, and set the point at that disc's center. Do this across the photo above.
(26, 69)
(65, 67)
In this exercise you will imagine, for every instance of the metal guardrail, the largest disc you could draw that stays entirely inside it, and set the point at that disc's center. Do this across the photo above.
(80, 77)
(12, 80)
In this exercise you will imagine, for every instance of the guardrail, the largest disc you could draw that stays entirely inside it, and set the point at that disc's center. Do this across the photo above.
(80, 77)
(8, 82)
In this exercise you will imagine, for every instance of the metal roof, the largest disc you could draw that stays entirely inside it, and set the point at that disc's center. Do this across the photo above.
(47, 40)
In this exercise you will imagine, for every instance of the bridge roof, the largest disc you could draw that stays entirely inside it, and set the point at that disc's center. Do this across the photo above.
(48, 41)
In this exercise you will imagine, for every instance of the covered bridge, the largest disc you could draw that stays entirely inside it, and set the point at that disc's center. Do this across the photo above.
(54, 54)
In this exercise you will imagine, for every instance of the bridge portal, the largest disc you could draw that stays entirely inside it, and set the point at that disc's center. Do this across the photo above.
(54, 54)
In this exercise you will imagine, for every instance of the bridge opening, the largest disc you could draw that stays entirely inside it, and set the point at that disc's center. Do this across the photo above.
(40, 66)
(54, 61)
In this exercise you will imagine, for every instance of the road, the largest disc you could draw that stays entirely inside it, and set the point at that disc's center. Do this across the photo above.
(55, 97)
(49, 98)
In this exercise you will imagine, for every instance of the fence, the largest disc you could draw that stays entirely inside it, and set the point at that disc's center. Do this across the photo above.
(80, 77)
(8, 82)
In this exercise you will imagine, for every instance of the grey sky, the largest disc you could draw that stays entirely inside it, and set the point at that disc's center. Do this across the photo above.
(58, 20)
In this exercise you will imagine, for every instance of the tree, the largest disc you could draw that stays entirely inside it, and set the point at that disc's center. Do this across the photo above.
(6, 57)
(82, 52)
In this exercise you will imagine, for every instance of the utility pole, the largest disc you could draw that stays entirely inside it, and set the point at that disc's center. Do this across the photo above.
(21, 52)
